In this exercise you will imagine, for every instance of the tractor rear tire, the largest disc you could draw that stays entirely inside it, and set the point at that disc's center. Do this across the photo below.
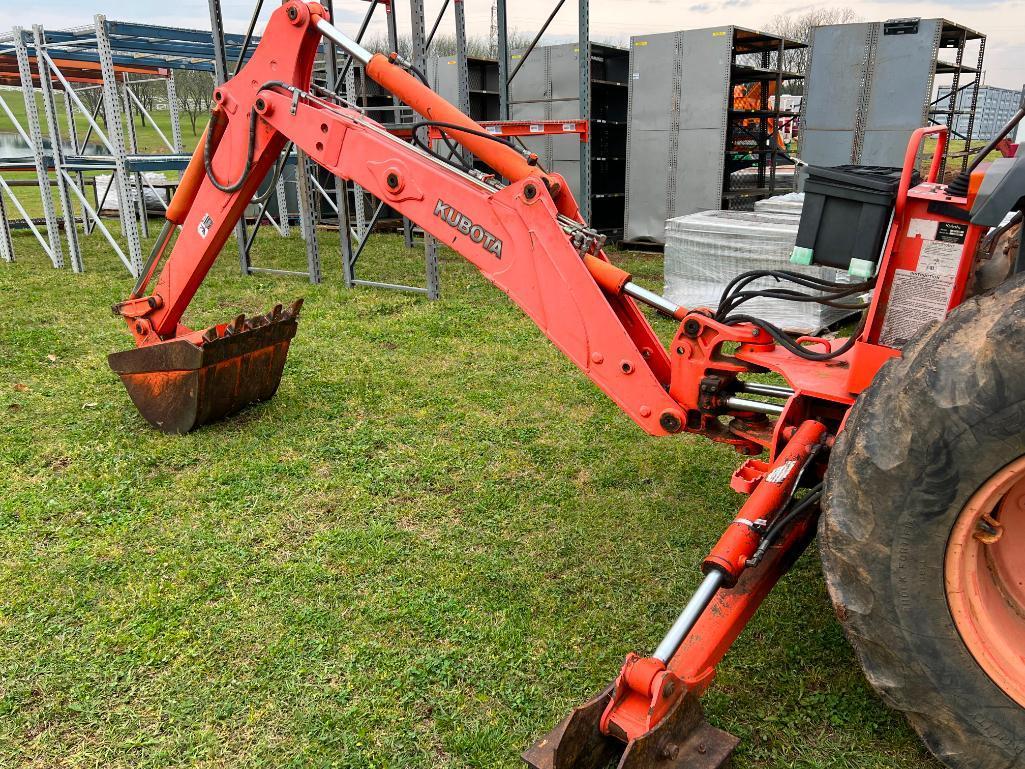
(936, 429)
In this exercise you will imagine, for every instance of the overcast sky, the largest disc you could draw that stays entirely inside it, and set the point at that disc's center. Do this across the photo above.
(611, 20)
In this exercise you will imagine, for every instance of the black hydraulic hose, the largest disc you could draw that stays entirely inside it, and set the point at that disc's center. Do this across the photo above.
(782, 338)
(808, 281)
(250, 150)
(456, 127)
(464, 129)
(208, 149)
(830, 300)
(781, 523)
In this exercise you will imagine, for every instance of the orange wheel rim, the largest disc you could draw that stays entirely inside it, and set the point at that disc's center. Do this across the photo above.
(984, 571)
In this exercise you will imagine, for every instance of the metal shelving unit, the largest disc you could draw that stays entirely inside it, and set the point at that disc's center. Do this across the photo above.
(870, 85)
(353, 212)
(482, 103)
(547, 88)
(509, 70)
(704, 125)
(111, 56)
(993, 108)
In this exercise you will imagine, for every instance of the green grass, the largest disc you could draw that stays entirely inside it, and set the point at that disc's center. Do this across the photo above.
(432, 543)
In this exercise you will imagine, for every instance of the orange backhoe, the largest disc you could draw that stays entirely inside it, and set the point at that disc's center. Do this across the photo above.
(903, 445)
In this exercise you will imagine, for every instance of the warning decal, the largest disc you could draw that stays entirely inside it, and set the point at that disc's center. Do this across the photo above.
(916, 300)
(939, 258)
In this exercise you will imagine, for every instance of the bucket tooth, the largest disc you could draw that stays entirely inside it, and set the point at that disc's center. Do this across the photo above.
(682, 740)
(178, 385)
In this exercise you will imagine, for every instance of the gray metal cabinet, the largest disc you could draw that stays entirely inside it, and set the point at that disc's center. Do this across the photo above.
(482, 84)
(547, 87)
(870, 85)
(682, 126)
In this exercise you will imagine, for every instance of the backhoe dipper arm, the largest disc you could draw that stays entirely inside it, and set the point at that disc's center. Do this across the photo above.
(518, 236)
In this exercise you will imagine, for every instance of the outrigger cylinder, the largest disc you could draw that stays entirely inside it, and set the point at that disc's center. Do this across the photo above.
(689, 616)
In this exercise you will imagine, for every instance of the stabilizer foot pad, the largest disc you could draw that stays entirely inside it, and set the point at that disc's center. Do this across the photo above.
(683, 740)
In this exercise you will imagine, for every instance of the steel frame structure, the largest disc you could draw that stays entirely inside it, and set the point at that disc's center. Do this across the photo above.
(703, 99)
(339, 81)
(104, 56)
(505, 77)
(892, 69)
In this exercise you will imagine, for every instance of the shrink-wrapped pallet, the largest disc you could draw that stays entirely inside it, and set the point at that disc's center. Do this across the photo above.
(791, 203)
(152, 192)
(706, 250)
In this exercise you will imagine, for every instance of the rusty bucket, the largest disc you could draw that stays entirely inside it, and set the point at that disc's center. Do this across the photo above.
(178, 385)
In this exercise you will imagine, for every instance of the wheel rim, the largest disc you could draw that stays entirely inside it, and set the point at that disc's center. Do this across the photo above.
(985, 578)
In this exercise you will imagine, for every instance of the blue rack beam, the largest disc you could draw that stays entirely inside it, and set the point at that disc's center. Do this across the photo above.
(146, 45)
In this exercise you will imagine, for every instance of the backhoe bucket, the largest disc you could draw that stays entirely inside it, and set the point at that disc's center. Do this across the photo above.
(178, 385)
(683, 740)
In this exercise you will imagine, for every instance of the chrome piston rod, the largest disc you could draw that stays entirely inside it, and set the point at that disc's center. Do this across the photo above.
(774, 391)
(759, 407)
(689, 616)
(347, 44)
(651, 299)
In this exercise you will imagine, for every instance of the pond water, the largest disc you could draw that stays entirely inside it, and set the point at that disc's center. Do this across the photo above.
(13, 146)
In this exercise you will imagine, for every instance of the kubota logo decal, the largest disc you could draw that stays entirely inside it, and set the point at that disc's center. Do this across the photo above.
(465, 225)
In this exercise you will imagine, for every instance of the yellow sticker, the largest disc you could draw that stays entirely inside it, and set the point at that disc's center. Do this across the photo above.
(719, 33)
(640, 43)
(516, 56)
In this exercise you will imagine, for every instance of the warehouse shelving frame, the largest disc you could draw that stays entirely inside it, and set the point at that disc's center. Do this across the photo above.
(584, 80)
(50, 61)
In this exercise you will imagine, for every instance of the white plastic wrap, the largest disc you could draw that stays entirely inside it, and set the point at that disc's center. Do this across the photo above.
(791, 203)
(155, 200)
(706, 250)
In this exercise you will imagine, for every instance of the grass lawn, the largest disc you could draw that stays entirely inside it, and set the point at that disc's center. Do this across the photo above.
(432, 543)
